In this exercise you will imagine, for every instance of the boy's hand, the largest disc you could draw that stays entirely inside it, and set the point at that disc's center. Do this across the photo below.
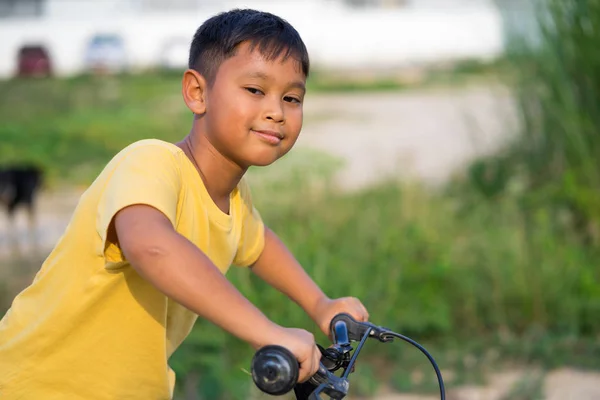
(327, 308)
(302, 344)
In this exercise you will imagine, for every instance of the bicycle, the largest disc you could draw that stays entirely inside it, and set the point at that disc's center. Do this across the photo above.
(275, 369)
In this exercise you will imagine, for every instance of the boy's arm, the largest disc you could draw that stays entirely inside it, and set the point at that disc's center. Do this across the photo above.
(184, 273)
(280, 269)
(180, 270)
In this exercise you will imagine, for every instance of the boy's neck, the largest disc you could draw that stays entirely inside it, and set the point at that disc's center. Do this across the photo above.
(220, 175)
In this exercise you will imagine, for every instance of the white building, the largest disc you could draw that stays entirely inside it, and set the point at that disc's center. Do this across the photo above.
(338, 33)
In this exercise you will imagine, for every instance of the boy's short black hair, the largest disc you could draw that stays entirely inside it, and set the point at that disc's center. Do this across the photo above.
(218, 37)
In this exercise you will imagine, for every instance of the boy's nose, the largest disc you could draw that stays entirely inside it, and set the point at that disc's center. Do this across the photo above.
(276, 117)
(275, 112)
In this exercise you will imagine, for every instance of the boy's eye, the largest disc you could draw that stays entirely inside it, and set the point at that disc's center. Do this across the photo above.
(291, 99)
(254, 90)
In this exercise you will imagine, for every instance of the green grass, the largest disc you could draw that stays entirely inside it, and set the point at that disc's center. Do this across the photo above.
(72, 127)
(457, 273)
(473, 281)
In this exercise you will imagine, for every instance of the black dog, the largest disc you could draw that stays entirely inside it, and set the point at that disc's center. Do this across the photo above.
(19, 185)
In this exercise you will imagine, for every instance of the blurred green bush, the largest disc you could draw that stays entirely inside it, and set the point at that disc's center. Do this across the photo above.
(556, 81)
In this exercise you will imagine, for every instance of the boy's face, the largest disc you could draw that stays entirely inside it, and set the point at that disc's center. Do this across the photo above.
(254, 107)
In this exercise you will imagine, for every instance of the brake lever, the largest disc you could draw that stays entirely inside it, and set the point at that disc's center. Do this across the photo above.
(356, 330)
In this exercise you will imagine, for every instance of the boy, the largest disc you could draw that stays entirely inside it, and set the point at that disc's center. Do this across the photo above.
(150, 241)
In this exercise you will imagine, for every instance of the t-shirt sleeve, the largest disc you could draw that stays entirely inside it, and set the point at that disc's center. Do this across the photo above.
(146, 175)
(252, 239)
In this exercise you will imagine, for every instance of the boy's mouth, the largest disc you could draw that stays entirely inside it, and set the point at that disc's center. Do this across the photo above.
(271, 137)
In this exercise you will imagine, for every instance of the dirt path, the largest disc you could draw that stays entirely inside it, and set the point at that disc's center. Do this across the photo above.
(561, 384)
(425, 135)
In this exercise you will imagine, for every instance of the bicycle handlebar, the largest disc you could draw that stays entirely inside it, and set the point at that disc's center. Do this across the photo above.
(275, 369)
(275, 372)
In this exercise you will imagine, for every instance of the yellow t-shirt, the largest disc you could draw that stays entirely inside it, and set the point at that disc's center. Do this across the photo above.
(89, 327)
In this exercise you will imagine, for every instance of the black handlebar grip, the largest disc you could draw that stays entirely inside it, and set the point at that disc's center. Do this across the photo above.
(354, 330)
(274, 370)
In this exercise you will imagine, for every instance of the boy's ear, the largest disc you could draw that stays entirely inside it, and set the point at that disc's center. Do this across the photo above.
(193, 88)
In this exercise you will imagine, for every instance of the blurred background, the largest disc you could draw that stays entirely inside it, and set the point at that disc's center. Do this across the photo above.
(448, 175)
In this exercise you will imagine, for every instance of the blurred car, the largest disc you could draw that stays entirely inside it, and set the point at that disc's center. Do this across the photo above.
(33, 61)
(174, 54)
(105, 53)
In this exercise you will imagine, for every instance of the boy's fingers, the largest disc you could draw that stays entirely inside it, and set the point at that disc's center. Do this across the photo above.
(310, 366)
(364, 311)
(304, 372)
(361, 310)
(316, 360)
